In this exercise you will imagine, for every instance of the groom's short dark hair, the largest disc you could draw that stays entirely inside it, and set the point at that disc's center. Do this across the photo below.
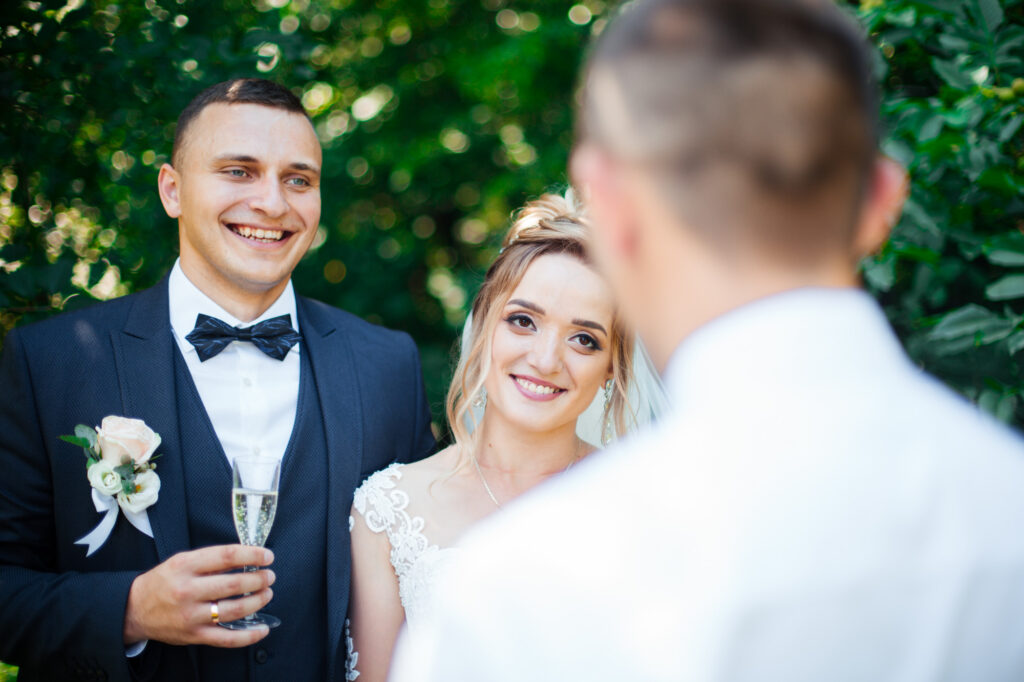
(235, 91)
(757, 117)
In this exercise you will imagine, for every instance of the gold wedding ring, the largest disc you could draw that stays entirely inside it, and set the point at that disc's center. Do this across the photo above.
(214, 612)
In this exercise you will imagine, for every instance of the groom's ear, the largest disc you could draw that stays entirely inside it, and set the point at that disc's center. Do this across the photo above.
(169, 184)
(886, 193)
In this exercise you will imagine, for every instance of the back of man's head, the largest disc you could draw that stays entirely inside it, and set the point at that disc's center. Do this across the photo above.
(235, 91)
(756, 118)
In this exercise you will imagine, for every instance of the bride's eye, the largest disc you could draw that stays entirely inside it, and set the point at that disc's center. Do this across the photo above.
(588, 341)
(520, 321)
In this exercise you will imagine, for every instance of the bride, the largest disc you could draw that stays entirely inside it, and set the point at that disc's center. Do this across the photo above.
(543, 343)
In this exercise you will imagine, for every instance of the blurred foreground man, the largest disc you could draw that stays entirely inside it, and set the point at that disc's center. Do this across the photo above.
(222, 359)
(813, 508)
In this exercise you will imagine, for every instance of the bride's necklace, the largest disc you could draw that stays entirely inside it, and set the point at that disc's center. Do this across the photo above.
(487, 488)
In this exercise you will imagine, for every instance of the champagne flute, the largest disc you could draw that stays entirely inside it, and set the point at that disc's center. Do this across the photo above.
(253, 505)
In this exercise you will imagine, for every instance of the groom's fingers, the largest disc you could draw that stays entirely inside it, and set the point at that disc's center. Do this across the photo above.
(235, 608)
(232, 639)
(221, 558)
(226, 585)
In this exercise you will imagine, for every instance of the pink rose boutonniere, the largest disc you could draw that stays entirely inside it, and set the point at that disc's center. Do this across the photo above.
(119, 466)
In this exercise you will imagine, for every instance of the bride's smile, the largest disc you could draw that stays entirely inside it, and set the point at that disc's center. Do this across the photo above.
(535, 389)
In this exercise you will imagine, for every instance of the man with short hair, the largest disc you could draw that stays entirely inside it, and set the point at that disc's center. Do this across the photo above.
(812, 507)
(222, 359)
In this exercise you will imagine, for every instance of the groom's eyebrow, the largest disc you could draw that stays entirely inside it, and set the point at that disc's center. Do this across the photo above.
(237, 158)
(245, 158)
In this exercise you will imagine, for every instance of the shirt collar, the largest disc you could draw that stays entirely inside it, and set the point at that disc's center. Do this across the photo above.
(779, 338)
(187, 302)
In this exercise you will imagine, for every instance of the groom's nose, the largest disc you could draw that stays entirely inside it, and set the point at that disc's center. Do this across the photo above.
(269, 198)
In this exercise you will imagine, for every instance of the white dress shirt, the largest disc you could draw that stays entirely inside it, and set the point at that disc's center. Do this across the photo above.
(813, 508)
(251, 398)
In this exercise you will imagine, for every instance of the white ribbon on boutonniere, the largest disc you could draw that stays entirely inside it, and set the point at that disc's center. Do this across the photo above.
(119, 466)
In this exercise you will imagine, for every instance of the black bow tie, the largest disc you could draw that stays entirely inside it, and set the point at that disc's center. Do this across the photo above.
(274, 336)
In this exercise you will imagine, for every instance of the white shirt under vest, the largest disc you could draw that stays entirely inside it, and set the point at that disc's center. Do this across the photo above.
(251, 398)
(813, 508)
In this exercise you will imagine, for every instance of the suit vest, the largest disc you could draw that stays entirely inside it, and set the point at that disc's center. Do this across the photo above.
(296, 648)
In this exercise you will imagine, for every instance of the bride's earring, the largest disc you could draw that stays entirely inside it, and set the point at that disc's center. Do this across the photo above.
(607, 429)
(480, 399)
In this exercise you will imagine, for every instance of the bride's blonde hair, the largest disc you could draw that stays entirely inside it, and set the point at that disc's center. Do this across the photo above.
(552, 224)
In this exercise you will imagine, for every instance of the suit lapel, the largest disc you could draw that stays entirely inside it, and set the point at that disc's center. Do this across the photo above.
(334, 371)
(143, 353)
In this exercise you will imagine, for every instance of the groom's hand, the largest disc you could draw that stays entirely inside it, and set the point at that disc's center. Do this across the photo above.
(171, 602)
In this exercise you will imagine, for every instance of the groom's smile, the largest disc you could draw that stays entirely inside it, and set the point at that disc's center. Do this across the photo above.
(246, 193)
(259, 234)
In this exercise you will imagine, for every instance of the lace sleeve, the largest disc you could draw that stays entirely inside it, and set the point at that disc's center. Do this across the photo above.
(384, 508)
(379, 501)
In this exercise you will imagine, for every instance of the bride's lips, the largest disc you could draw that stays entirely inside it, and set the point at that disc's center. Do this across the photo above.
(536, 389)
(259, 236)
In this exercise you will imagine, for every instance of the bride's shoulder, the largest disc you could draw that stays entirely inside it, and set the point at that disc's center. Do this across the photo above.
(407, 479)
(430, 468)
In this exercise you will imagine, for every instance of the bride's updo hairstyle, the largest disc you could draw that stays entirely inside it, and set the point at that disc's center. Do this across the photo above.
(551, 224)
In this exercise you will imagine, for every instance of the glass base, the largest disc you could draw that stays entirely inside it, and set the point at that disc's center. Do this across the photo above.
(254, 621)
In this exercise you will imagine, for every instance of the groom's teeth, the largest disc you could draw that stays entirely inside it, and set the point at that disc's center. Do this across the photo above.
(259, 233)
(534, 388)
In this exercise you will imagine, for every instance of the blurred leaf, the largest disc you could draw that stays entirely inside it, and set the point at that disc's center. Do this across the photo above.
(952, 74)
(1015, 342)
(974, 322)
(1009, 287)
(992, 13)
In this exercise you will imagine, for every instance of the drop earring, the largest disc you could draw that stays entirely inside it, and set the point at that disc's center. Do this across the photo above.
(607, 428)
(480, 399)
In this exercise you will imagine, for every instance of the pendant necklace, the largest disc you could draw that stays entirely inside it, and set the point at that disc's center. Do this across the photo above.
(487, 488)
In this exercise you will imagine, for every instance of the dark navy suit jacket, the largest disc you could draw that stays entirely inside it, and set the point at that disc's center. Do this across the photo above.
(61, 613)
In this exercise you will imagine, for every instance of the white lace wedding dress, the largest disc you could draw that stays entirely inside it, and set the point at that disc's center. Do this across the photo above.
(417, 562)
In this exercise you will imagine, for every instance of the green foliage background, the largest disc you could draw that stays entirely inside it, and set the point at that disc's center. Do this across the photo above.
(440, 117)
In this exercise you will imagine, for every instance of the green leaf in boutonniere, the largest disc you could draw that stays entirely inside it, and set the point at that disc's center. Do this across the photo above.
(85, 438)
(80, 442)
(127, 473)
(88, 434)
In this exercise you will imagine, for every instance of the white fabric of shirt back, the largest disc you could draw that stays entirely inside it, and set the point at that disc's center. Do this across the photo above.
(812, 508)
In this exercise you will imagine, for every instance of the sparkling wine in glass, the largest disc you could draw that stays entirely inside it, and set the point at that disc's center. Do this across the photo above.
(253, 505)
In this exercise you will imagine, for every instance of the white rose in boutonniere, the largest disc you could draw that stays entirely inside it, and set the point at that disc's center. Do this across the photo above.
(103, 477)
(119, 467)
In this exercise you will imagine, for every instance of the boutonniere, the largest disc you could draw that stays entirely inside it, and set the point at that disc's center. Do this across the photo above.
(120, 468)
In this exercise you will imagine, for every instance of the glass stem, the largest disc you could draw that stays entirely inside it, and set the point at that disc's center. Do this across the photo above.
(249, 617)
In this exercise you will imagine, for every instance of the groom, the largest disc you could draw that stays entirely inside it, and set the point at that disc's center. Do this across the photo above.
(333, 399)
(812, 507)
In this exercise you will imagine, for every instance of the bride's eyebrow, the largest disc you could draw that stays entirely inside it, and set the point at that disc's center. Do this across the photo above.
(590, 325)
(526, 304)
(540, 311)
